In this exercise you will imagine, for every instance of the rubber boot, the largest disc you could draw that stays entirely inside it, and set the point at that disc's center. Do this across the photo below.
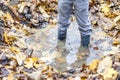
(62, 34)
(84, 47)
(85, 40)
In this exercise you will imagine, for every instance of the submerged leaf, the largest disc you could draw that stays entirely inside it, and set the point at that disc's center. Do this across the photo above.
(29, 62)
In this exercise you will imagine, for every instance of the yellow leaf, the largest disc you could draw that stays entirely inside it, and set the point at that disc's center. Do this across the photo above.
(10, 77)
(116, 42)
(117, 19)
(37, 65)
(105, 9)
(29, 62)
(8, 39)
(45, 68)
(21, 6)
(110, 74)
(1, 13)
(94, 64)
(102, 1)
(83, 78)
(14, 50)
(27, 33)
(8, 17)
(50, 78)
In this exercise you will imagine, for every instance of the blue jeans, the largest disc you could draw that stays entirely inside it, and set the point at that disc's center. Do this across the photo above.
(65, 8)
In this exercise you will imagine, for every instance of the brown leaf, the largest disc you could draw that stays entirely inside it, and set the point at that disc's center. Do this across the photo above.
(116, 42)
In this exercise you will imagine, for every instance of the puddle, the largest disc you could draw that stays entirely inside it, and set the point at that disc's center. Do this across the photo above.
(65, 55)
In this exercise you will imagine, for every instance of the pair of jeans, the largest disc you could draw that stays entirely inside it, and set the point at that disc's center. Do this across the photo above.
(81, 8)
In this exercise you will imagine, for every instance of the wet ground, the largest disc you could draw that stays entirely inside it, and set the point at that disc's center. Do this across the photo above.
(65, 54)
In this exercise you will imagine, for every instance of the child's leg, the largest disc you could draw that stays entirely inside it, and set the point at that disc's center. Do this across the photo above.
(81, 13)
(64, 12)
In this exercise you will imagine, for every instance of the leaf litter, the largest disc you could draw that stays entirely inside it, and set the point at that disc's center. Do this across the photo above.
(16, 23)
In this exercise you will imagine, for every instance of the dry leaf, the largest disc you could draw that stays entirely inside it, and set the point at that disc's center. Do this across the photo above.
(20, 58)
(77, 78)
(14, 50)
(117, 19)
(9, 39)
(21, 7)
(105, 9)
(110, 74)
(94, 64)
(104, 64)
(116, 42)
(43, 12)
(29, 62)
(8, 17)
(10, 76)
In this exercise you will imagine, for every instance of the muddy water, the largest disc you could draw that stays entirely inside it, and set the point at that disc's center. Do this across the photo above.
(65, 54)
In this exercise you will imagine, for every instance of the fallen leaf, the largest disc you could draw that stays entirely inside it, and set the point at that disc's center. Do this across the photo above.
(29, 62)
(8, 17)
(116, 42)
(110, 74)
(14, 50)
(21, 7)
(105, 9)
(20, 58)
(11, 76)
(9, 39)
(117, 19)
(104, 64)
(94, 64)
(43, 12)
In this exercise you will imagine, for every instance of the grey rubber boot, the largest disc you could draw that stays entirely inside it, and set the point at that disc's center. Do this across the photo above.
(62, 34)
(85, 40)
(84, 47)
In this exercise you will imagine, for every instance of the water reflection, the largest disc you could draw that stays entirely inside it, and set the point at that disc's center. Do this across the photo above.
(82, 56)
(60, 60)
(66, 60)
